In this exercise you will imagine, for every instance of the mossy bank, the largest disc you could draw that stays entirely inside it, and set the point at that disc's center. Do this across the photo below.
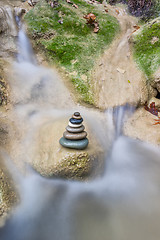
(70, 42)
(147, 47)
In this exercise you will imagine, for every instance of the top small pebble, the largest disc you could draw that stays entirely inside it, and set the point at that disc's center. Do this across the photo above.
(77, 114)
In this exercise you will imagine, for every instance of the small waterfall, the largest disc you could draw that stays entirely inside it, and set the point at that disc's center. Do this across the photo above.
(25, 50)
(120, 115)
(117, 116)
(38, 85)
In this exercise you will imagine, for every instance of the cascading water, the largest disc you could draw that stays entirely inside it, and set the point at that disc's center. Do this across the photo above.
(26, 53)
(25, 49)
(124, 204)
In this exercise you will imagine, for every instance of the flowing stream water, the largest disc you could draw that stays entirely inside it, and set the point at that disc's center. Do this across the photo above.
(122, 204)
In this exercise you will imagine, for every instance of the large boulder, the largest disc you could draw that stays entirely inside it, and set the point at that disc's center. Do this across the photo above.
(50, 159)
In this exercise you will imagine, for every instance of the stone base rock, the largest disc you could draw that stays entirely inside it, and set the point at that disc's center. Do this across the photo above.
(50, 159)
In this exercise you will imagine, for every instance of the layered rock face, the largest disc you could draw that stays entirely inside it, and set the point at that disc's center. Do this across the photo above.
(8, 28)
(8, 193)
(8, 31)
(75, 136)
(156, 80)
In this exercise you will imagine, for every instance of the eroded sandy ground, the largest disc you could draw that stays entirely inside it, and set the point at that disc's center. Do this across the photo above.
(116, 78)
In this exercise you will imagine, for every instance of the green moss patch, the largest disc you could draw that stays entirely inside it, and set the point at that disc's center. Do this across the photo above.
(147, 47)
(72, 45)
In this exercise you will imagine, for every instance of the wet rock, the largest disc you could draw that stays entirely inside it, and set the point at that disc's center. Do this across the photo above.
(80, 144)
(3, 25)
(8, 194)
(8, 31)
(19, 11)
(8, 27)
(75, 130)
(75, 136)
(141, 126)
(8, 20)
(50, 159)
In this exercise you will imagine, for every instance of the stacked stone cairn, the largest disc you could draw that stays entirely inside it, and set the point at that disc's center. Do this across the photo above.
(75, 136)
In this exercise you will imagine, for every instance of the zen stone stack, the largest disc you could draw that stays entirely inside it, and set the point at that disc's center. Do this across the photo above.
(75, 136)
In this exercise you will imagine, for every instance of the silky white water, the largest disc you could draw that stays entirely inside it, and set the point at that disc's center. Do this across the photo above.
(122, 204)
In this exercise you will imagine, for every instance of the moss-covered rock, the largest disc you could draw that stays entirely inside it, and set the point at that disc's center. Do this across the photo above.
(80, 166)
(50, 159)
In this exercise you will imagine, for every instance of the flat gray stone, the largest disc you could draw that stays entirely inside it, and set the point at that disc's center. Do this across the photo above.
(75, 144)
(75, 130)
(74, 136)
